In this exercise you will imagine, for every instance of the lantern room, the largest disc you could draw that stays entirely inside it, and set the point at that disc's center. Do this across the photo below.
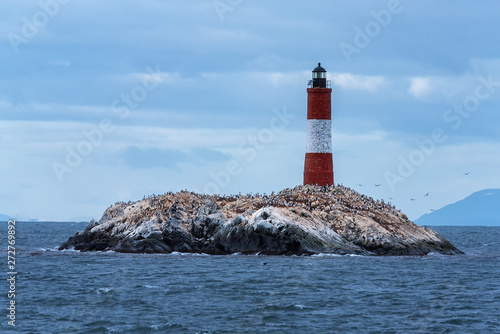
(319, 78)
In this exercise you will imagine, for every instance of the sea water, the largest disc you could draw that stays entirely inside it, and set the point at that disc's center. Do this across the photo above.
(106, 292)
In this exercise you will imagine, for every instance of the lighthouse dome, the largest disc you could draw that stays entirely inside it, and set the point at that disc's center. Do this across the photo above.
(319, 68)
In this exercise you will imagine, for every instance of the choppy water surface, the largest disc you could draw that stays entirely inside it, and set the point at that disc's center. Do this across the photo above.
(72, 292)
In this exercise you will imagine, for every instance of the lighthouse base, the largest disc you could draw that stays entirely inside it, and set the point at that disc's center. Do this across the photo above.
(318, 169)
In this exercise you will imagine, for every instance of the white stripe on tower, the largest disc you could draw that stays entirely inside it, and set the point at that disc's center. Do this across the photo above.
(319, 136)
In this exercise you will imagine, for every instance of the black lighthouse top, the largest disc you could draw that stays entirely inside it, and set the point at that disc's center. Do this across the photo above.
(319, 77)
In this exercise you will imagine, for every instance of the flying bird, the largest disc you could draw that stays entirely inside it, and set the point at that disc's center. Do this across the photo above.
(466, 173)
(377, 184)
(412, 199)
(426, 194)
(360, 185)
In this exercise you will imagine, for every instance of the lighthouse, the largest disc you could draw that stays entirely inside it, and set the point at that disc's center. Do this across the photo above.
(318, 166)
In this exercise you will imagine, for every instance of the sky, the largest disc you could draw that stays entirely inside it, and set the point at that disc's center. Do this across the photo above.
(106, 101)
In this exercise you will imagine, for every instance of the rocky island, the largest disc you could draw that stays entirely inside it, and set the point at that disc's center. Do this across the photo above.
(304, 220)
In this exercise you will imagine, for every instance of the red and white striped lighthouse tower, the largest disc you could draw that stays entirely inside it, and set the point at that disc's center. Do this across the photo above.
(318, 166)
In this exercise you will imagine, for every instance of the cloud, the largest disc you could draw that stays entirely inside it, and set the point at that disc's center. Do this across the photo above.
(345, 140)
(64, 63)
(448, 89)
(158, 77)
(153, 157)
(5, 104)
(419, 87)
(358, 82)
(279, 78)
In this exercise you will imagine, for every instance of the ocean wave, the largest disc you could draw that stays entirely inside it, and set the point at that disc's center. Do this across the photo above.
(337, 255)
(187, 254)
(105, 290)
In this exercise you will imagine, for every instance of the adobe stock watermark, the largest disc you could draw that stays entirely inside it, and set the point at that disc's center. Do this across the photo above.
(454, 117)
(31, 27)
(248, 150)
(94, 136)
(364, 36)
(224, 6)
(11, 273)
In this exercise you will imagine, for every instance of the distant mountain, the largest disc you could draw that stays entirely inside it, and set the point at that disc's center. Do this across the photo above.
(4, 218)
(482, 208)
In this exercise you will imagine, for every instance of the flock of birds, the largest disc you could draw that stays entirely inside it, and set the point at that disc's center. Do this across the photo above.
(312, 198)
(411, 199)
(329, 199)
(308, 197)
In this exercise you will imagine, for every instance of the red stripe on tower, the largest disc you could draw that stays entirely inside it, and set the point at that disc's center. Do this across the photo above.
(318, 166)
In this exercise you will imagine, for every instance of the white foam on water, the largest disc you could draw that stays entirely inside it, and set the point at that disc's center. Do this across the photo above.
(104, 290)
(188, 254)
(326, 255)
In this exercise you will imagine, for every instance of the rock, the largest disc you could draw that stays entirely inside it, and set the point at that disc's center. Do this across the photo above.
(302, 220)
